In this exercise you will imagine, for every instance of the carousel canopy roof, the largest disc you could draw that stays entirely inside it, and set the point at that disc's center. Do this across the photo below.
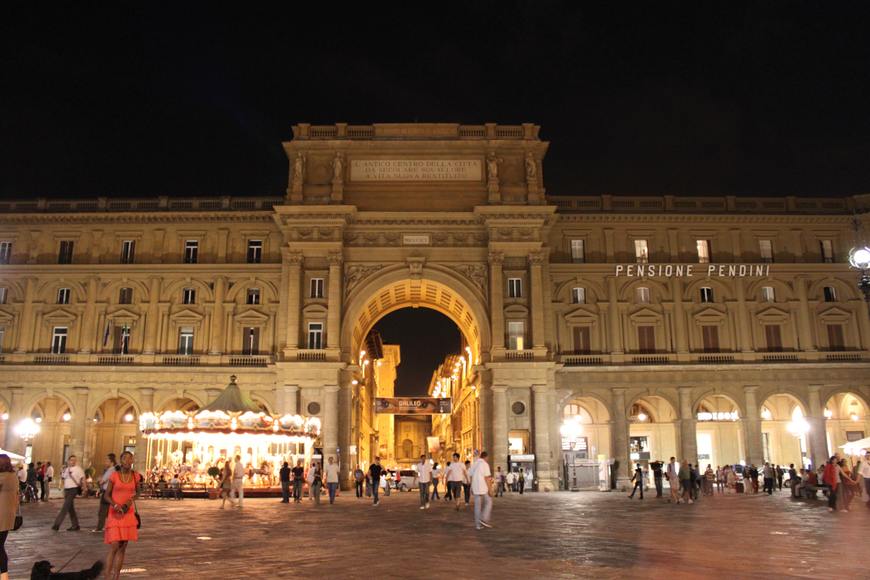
(232, 400)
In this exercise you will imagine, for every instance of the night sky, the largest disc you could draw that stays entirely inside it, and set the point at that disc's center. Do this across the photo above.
(765, 98)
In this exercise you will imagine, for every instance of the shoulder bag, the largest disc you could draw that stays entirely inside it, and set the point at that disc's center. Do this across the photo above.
(19, 520)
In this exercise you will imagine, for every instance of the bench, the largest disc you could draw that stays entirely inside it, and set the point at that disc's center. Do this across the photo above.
(811, 491)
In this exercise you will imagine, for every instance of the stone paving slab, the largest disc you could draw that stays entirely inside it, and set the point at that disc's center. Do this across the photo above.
(547, 535)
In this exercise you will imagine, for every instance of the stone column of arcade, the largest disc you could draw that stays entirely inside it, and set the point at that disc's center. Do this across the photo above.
(620, 438)
(79, 427)
(499, 427)
(146, 405)
(16, 414)
(542, 437)
(752, 427)
(330, 421)
(287, 399)
(818, 442)
(688, 432)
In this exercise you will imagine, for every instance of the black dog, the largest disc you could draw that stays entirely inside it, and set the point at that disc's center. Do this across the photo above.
(42, 571)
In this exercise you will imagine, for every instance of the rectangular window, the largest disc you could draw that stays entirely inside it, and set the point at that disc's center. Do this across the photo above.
(5, 252)
(191, 251)
(188, 296)
(710, 336)
(830, 294)
(185, 340)
(582, 343)
(646, 339)
(65, 252)
(827, 249)
(315, 335)
(773, 337)
(251, 340)
(58, 340)
(641, 295)
(578, 295)
(516, 335)
(63, 295)
(765, 250)
(515, 288)
(125, 296)
(253, 296)
(121, 343)
(703, 251)
(3, 293)
(641, 251)
(316, 290)
(768, 294)
(255, 251)
(706, 294)
(836, 339)
(128, 251)
(578, 251)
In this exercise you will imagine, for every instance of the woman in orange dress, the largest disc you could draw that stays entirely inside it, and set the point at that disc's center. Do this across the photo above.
(122, 523)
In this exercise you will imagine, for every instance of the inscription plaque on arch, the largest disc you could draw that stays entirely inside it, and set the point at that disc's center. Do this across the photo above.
(416, 170)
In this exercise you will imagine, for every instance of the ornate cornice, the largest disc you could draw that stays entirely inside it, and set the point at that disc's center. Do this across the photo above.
(730, 218)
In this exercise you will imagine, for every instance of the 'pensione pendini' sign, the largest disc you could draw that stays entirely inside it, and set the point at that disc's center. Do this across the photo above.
(691, 270)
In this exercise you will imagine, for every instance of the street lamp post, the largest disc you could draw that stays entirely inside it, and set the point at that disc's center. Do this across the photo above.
(859, 258)
(27, 430)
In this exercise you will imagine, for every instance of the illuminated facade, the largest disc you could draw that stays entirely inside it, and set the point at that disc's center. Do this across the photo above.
(110, 308)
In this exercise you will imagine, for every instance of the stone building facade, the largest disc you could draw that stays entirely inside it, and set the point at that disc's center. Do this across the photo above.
(660, 322)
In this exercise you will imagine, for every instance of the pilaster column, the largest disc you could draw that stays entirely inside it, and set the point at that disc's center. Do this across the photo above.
(540, 395)
(16, 414)
(745, 329)
(333, 313)
(152, 321)
(613, 315)
(287, 400)
(290, 299)
(223, 235)
(26, 328)
(496, 299)
(688, 433)
(536, 261)
(499, 426)
(79, 427)
(330, 420)
(804, 329)
(216, 344)
(679, 317)
(818, 442)
(619, 437)
(146, 405)
(87, 342)
(754, 445)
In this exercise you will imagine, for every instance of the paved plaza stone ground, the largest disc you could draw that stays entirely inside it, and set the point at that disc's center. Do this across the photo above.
(546, 535)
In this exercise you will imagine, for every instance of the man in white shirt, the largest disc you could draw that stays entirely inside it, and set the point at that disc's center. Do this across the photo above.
(73, 478)
(238, 488)
(865, 473)
(424, 478)
(456, 474)
(481, 488)
(46, 482)
(331, 472)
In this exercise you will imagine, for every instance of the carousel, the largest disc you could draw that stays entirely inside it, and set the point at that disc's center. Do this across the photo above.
(191, 444)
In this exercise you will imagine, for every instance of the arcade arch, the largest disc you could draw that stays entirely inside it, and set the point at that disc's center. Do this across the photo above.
(784, 430)
(652, 429)
(848, 419)
(719, 433)
(115, 428)
(54, 415)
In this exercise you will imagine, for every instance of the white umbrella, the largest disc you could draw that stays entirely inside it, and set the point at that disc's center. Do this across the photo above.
(12, 456)
(855, 447)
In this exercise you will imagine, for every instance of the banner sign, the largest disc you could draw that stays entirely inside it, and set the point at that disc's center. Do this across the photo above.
(413, 405)
(692, 270)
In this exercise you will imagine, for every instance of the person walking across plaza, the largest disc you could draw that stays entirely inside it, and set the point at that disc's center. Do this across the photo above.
(864, 472)
(499, 482)
(8, 508)
(466, 483)
(456, 475)
(436, 480)
(779, 472)
(673, 481)
(769, 474)
(330, 472)
(686, 483)
(375, 471)
(73, 478)
(226, 483)
(424, 479)
(298, 480)
(656, 467)
(359, 478)
(637, 478)
(481, 488)
(108, 469)
(284, 477)
(238, 489)
(122, 525)
(315, 482)
(521, 481)
(709, 480)
(831, 478)
(46, 481)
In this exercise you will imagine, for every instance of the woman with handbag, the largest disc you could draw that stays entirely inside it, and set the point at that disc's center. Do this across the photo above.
(8, 509)
(123, 523)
